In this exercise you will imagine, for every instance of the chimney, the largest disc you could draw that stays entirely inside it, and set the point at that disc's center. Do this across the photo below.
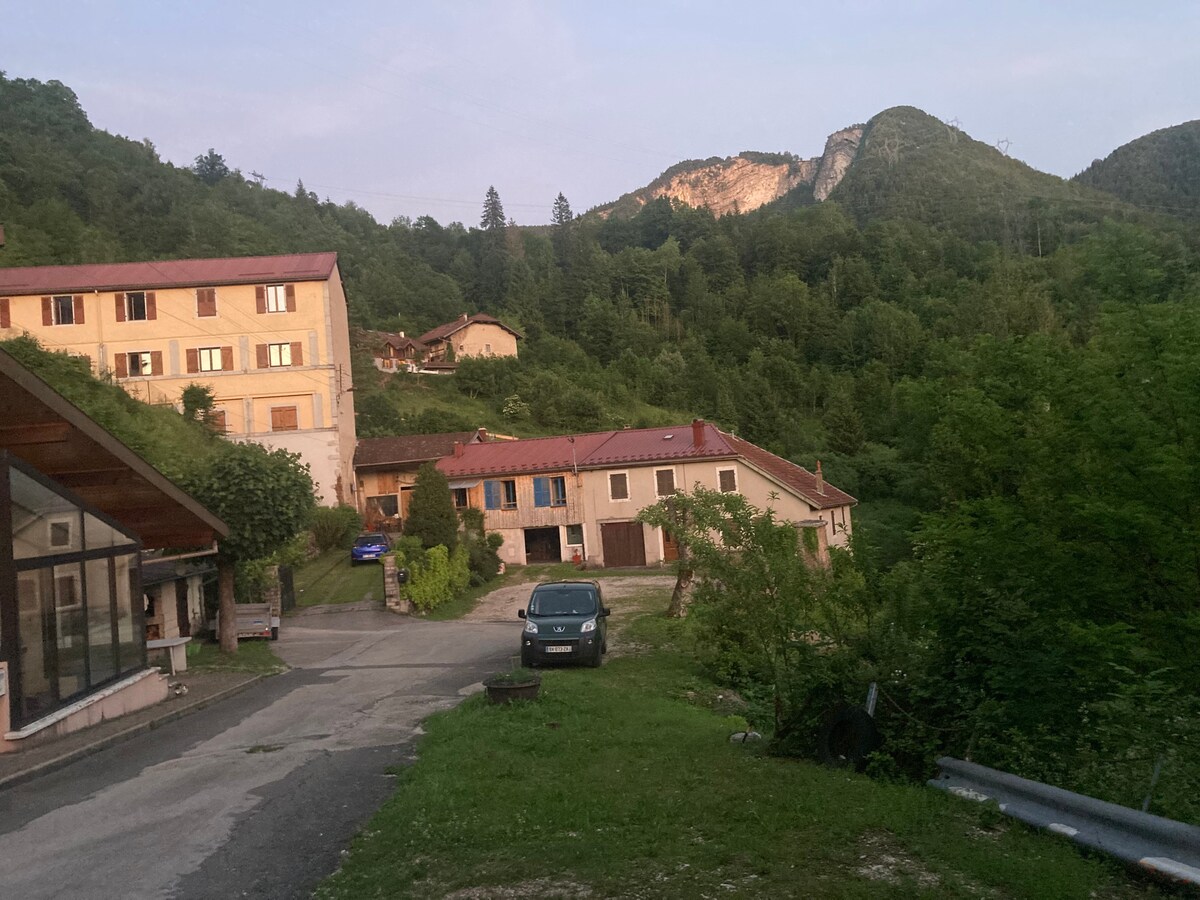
(463, 317)
(820, 479)
(698, 432)
(483, 435)
(458, 449)
(402, 334)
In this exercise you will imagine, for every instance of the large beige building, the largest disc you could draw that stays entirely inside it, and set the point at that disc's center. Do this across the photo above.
(268, 335)
(577, 497)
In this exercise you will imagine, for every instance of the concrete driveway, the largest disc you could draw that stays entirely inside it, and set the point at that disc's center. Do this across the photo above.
(258, 795)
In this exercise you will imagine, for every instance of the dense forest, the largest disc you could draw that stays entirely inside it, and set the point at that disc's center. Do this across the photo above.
(1160, 170)
(1002, 366)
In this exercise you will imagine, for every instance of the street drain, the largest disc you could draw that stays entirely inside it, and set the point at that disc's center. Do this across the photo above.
(264, 748)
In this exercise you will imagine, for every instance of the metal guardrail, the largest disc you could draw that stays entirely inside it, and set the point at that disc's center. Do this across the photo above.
(1163, 847)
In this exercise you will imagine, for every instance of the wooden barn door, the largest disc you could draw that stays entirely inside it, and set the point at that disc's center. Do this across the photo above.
(624, 544)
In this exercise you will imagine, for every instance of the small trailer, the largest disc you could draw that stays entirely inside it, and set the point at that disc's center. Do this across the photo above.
(255, 620)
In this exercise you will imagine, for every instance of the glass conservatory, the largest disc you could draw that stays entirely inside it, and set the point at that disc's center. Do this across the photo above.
(71, 616)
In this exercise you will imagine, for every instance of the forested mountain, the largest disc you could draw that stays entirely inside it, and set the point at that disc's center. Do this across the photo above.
(1159, 171)
(1001, 365)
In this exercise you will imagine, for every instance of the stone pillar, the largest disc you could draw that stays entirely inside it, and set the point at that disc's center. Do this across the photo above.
(392, 596)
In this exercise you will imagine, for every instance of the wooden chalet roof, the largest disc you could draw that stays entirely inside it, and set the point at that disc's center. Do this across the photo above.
(442, 332)
(409, 448)
(47, 431)
(167, 273)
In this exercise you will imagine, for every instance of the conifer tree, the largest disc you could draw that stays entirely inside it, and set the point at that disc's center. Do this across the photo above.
(562, 215)
(493, 211)
(431, 515)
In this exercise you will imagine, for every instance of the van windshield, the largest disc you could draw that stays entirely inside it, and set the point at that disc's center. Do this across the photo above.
(573, 601)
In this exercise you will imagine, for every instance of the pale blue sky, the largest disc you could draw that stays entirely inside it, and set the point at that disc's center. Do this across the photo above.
(412, 109)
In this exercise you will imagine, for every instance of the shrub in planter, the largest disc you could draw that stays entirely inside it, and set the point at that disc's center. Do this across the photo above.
(519, 684)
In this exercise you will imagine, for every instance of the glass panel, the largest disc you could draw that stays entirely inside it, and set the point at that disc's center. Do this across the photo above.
(130, 608)
(43, 523)
(97, 533)
(35, 606)
(70, 627)
(101, 650)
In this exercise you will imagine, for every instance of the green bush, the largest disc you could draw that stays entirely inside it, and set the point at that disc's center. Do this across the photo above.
(335, 527)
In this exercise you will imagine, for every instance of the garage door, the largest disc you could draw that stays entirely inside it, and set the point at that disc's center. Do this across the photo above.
(624, 544)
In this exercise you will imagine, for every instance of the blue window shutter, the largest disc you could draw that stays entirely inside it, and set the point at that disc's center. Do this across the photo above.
(491, 494)
(541, 492)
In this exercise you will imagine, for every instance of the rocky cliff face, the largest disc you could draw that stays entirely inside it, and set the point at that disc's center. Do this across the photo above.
(739, 184)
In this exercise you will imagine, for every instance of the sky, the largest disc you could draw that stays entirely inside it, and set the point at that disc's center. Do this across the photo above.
(411, 109)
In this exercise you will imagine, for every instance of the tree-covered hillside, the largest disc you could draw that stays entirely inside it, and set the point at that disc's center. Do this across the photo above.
(1000, 365)
(1159, 171)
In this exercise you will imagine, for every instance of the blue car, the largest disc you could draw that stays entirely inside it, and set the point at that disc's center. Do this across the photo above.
(368, 547)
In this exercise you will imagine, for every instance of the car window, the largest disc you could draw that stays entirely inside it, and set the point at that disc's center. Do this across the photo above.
(366, 540)
(563, 602)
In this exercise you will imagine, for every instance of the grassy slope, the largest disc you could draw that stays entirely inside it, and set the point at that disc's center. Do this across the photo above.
(621, 781)
(254, 656)
(331, 579)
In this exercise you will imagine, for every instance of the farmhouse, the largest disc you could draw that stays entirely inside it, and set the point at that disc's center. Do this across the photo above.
(577, 497)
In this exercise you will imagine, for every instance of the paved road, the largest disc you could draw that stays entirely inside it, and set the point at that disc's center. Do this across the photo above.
(258, 795)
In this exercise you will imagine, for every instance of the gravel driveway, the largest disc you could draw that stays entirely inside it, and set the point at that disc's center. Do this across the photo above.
(501, 605)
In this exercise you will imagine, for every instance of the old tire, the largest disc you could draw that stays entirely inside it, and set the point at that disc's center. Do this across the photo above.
(847, 737)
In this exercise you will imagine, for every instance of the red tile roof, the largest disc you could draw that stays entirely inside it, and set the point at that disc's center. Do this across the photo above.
(643, 446)
(549, 454)
(444, 331)
(798, 478)
(409, 448)
(167, 273)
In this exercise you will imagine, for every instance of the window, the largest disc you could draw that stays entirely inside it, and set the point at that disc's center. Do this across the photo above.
(575, 535)
(727, 481)
(64, 310)
(209, 359)
(385, 505)
(276, 298)
(141, 363)
(206, 302)
(550, 491)
(284, 418)
(60, 534)
(273, 356)
(135, 307)
(217, 421)
(487, 349)
(618, 486)
(500, 494)
(279, 354)
(460, 497)
(664, 482)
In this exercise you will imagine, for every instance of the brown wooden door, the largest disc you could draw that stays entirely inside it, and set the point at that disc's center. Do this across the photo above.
(623, 543)
(181, 609)
(670, 547)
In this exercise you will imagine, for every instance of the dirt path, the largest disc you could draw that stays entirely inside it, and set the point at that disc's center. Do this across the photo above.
(501, 605)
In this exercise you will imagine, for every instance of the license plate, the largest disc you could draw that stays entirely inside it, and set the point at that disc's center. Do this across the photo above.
(559, 649)
(369, 555)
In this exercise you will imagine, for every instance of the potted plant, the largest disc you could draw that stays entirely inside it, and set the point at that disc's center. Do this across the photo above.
(519, 684)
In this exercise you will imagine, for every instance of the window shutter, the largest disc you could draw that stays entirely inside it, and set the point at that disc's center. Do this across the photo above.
(151, 306)
(618, 486)
(297, 354)
(78, 304)
(47, 310)
(260, 298)
(120, 306)
(491, 494)
(206, 302)
(665, 479)
(541, 492)
(122, 365)
(226, 359)
(156, 362)
(193, 360)
(290, 292)
(5, 320)
(262, 356)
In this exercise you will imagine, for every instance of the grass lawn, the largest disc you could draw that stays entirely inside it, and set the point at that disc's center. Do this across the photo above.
(254, 655)
(331, 579)
(621, 782)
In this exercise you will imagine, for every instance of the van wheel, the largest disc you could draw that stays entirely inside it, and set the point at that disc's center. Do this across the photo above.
(594, 662)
